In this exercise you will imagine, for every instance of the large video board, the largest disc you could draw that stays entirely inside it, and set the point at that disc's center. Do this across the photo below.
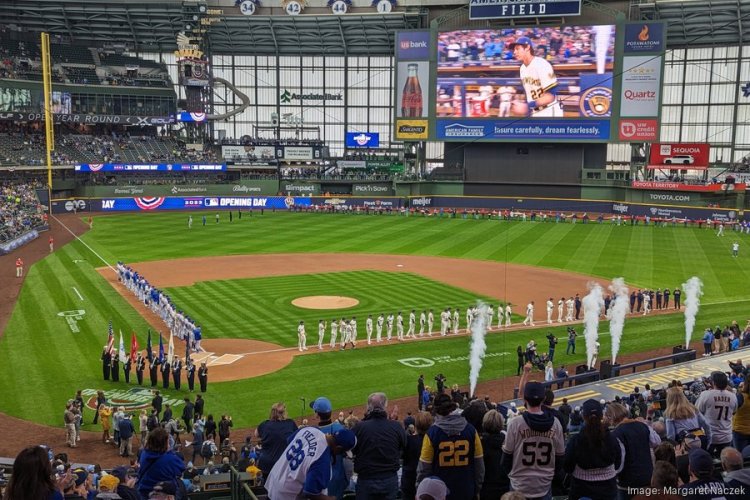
(551, 83)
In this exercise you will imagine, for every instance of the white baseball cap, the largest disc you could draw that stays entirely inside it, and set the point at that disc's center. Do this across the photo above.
(432, 487)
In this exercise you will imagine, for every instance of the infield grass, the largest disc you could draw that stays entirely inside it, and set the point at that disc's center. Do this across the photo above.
(42, 362)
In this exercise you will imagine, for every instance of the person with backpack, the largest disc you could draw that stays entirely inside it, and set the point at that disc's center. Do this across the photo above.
(208, 450)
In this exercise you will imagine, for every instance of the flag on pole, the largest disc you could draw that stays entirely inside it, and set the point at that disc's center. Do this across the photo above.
(121, 354)
(161, 349)
(133, 347)
(187, 349)
(149, 352)
(170, 349)
(110, 338)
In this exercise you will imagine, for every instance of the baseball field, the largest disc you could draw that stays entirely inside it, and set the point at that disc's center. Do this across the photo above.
(238, 280)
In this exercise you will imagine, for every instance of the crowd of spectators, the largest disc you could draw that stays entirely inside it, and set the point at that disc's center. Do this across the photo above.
(19, 209)
(571, 44)
(683, 439)
(247, 140)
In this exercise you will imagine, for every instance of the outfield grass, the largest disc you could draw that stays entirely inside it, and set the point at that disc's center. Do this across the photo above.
(42, 362)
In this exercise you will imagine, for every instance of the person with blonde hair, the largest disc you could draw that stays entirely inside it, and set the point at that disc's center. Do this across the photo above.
(493, 436)
(681, 417)
(549, 372)
(422, 422)
(105, 414)
(273, 434)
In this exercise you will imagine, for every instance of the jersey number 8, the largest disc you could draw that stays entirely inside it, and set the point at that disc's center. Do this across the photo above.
(453, 453)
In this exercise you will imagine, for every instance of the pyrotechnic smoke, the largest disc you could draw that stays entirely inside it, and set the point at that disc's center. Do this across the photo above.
(592, 308)
(693, 290)
(618, 309)
(478, 346)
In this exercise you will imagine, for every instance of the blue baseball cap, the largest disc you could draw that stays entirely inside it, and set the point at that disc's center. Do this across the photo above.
(345, 438)
(524, 40)
(321, 405)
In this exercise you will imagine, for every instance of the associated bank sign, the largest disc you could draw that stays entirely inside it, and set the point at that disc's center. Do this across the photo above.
(286, 97)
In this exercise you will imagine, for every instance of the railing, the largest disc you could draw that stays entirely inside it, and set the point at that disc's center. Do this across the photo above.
(239, 487)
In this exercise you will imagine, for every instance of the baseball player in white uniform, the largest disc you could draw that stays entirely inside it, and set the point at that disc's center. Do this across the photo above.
(412, 324)
(345, 332)
(389, 326)
(456, 319)
(321, 333)
(646, 302)
(334, 332)
(368, 329)
(422, 322)
(399, 327)
(529, 320)
(381, 319)
(506, 94)
(560, 307)
(353, 324)
(569, 305)
(538, 79)
(550, 308)
(490, 315)
(508, 312)
(444, 322)
(469, 319)
(430, 322)
(301, 337)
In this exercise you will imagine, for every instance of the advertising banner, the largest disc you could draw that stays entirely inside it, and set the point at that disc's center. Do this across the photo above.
(218, 202)
(143, 121)
(677, 186)
(248, 152)
(155, 167)
(7, 247)
(362, 140)
(641, 84)
(462, 130)
(502, 9)
(644, 37)
(686, 155)
(369, 189)
(408, 130)
(351, 164)
(300, 188)
(245, 187)
(413, 45)
(299, 153)
(364, 202)
(635, 130)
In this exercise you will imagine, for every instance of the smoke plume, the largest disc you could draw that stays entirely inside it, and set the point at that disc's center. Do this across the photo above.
(593, 303)
(693, 290)
(617, 311)
(478, 346)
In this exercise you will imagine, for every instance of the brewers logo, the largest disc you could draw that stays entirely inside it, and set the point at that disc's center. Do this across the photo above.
(596, 102)
(289, 201)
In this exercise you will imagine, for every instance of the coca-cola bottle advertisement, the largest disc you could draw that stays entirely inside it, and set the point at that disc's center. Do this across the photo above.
(412, 97)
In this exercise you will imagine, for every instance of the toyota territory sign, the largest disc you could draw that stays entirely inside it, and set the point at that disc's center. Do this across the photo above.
(683, 155)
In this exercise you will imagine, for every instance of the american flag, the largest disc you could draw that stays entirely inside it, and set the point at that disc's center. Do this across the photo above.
(110, 338)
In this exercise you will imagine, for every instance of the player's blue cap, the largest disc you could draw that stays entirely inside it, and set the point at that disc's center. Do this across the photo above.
(524, 40)
(345, 438)
(321, 405)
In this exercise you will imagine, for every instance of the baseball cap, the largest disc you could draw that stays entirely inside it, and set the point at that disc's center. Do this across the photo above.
(592, 407)
(345, 438)
(122, 472)
(524, 40)
(533, 391)
(109, 481)
(80, 476)
(433, 487)
(321, 405)
(163, 487)
(700, 461)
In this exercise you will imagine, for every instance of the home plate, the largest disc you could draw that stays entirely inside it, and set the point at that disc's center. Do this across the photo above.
(224, 359)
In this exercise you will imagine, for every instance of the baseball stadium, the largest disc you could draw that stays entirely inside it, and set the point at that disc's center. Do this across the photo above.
(486, 213)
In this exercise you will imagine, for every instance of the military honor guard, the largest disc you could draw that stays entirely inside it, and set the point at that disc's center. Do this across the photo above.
(177, 373)
(115, 369)
(165, 369)
(106, 363)
(126, 368)
(203, 376)
(190, 369)
(153, 371)
(140, 366)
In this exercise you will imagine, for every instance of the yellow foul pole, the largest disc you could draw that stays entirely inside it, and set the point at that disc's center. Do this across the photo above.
(48, 122)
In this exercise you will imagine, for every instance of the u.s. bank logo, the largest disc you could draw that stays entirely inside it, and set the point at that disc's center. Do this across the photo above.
(596, 102)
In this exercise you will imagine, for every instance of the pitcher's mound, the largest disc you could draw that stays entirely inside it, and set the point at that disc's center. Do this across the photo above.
(325, 302)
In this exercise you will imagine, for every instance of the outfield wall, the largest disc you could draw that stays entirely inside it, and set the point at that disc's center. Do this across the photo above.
(433, 203)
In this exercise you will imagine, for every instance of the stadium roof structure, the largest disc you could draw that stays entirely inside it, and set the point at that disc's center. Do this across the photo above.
(147, 25)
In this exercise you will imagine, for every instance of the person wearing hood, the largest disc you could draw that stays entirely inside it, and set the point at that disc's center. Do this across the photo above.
(534, 445)
(452, 450)
(377, 456)
(735, 476)
(592, 457)
(157, 462)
